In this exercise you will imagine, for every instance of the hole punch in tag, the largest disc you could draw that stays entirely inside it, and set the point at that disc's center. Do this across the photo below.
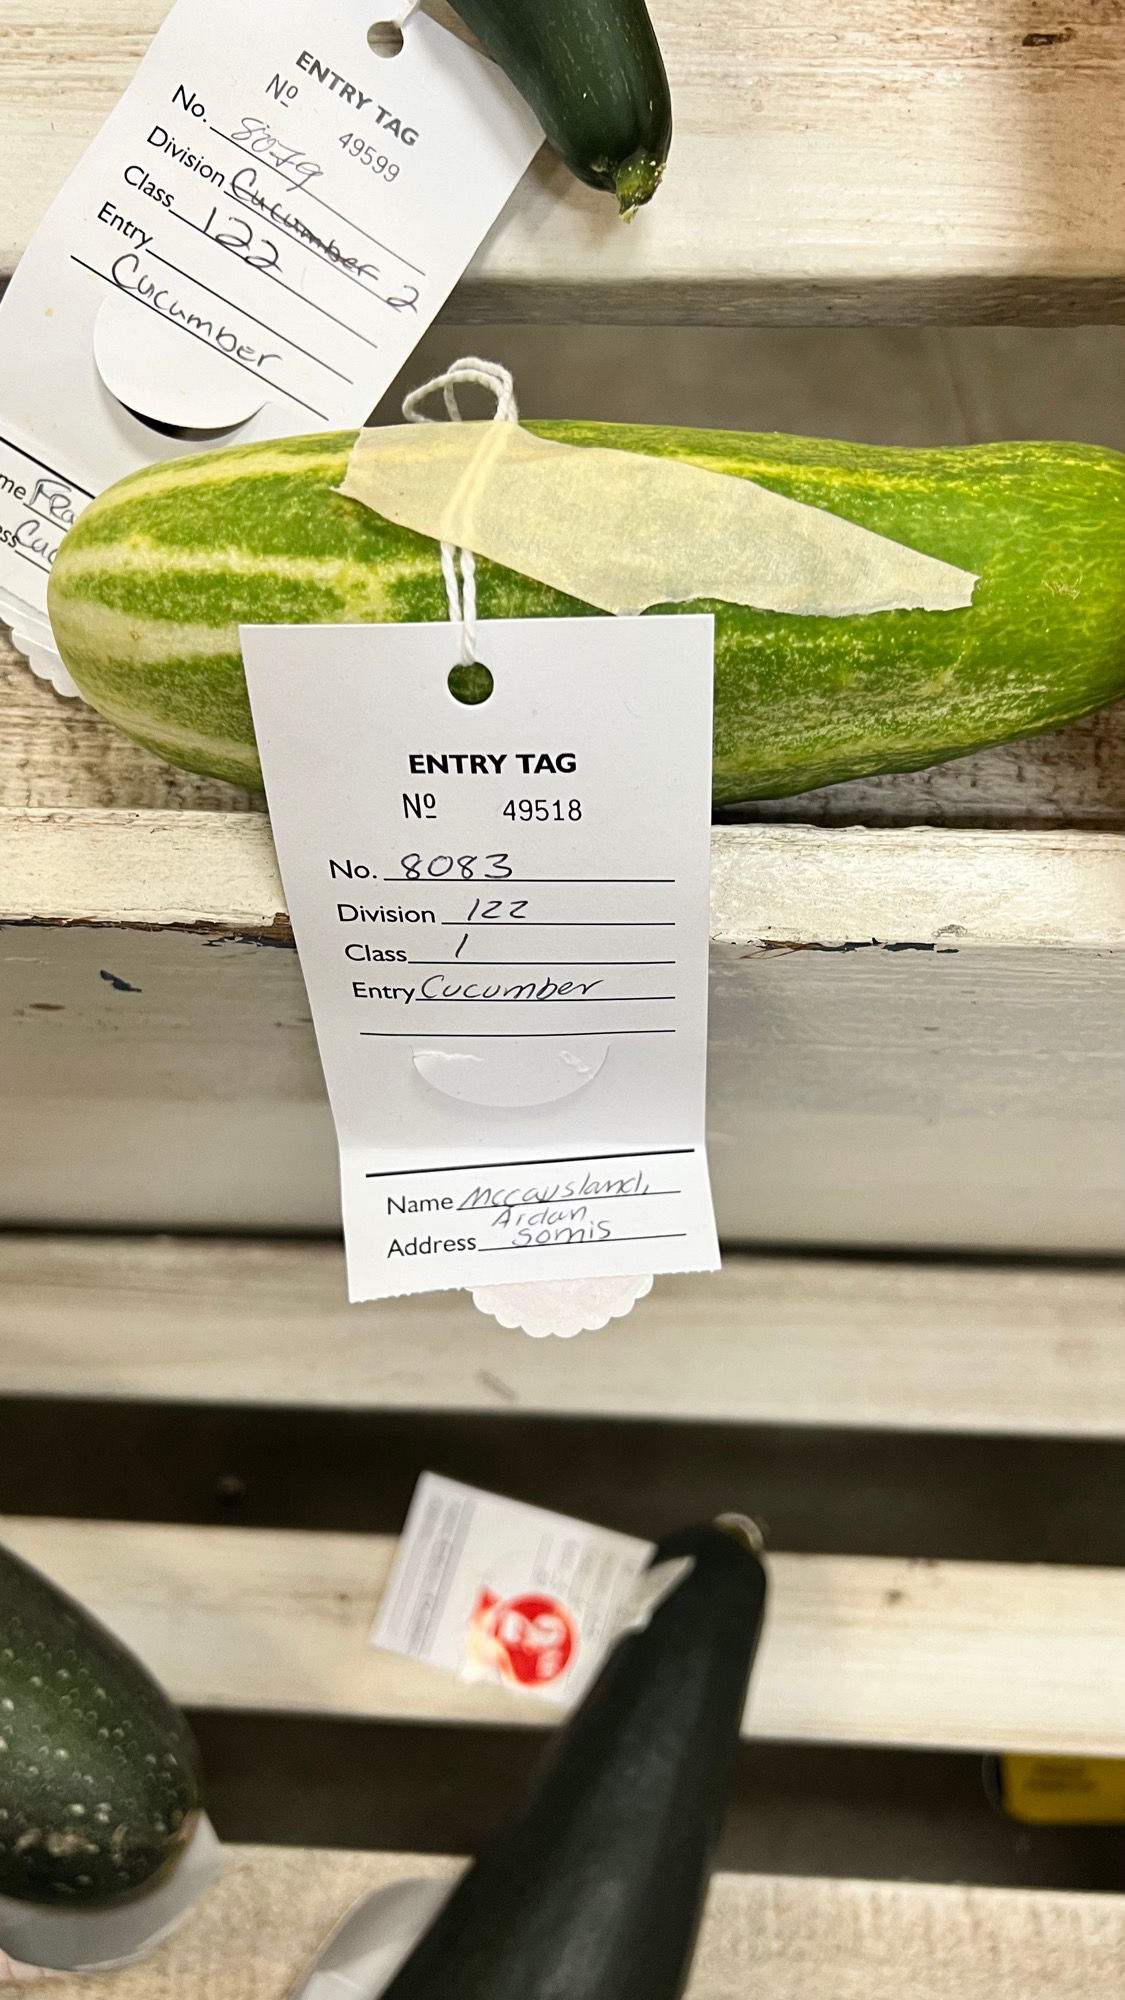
(251, 247)
(502, 911)
(536, 837)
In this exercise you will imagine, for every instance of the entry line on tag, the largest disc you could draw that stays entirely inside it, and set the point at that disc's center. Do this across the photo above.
(246, 314)
(211, 349)
(554, 1160)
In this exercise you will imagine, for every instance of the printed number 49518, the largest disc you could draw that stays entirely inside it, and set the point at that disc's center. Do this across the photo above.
(527, 809)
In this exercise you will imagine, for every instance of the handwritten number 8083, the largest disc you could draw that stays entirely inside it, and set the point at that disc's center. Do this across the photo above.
(462, 867)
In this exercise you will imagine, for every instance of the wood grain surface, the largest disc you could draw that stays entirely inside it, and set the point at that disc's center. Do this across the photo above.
(957, 159)
(914, 1035)
(789, 1340)
(856, 1649)
(765, 1937)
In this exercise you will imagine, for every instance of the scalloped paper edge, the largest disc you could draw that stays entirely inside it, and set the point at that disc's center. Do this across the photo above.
(43, 661)
(565, 1307)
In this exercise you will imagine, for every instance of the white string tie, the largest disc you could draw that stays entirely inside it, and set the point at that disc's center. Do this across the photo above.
(488, 375)
(403, 12)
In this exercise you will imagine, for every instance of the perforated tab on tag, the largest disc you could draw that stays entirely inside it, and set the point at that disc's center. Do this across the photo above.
(493, 1590)
(501, 908)
(251, 247)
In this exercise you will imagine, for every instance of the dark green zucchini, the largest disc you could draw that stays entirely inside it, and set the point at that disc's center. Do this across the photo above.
(592, 72)
(99, 1789)
(593, 1890)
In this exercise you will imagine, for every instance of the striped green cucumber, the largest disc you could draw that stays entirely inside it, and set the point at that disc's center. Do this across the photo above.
(150, 585)
(98, 1786)
(594, 76)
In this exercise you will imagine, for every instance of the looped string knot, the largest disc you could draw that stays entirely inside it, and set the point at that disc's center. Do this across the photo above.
(489, 375)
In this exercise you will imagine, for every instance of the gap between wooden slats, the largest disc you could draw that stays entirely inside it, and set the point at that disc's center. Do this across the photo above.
(857, 1649)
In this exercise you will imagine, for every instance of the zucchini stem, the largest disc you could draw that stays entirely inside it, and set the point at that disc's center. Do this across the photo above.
(635, 181)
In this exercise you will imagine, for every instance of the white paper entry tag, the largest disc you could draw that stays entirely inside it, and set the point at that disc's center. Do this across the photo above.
(502, 917)
(494, 1590)
(251, 246)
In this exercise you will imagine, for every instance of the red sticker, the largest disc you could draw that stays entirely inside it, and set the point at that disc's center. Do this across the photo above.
(528, 1640)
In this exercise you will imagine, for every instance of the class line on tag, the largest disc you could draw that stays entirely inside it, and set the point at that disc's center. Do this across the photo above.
(302, 187)
(216, 204)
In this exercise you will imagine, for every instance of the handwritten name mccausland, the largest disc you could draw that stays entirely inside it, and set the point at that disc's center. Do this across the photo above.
(540, 1194)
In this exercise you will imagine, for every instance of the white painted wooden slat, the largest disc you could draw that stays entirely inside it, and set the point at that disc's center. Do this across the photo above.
(765, 1937)
(770, 885)
(828, 164)
(914, 1037)
(862, 1650)
(769, 1339)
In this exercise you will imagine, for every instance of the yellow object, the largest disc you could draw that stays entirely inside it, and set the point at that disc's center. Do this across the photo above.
(1064, 1791)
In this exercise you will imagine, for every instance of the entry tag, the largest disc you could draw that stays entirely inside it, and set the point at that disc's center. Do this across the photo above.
(502, 917)
(252, 246)
(493, 1590)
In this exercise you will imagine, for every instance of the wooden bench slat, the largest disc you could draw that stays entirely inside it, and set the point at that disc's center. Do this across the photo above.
(857, 1649)
(768, 1339)
(770, 885)
(914, 1035)
(827, 165)
(765, 1937)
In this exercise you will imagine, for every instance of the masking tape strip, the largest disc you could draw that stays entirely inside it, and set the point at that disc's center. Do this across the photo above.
(622, 531)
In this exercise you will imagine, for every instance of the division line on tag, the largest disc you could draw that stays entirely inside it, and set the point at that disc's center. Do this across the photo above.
(303, 297)
(298, 232)
(553, 1160)
(302, 187)
(558, 923)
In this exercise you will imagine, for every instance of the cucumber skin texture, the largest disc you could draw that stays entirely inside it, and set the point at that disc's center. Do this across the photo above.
(83, 1725)
(593, 73)
(150, 584)
(593, 1890)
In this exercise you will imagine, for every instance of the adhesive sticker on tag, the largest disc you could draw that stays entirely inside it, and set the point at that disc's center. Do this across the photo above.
(502, 916)
(494, 1590)
(251, 246)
